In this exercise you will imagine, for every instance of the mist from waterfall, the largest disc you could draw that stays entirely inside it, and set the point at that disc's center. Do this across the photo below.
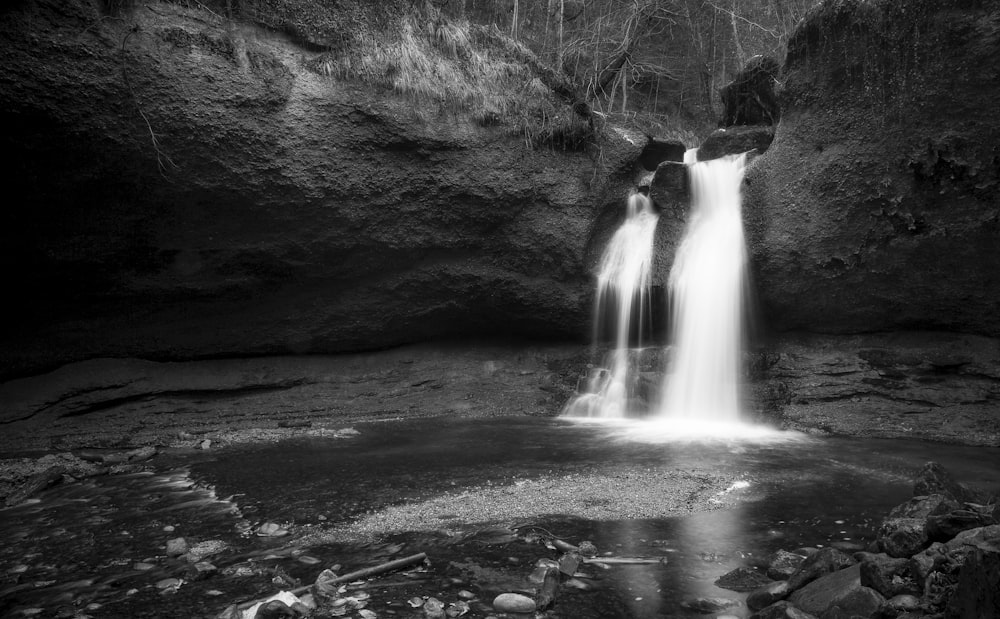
(624, 278)
(706, 287)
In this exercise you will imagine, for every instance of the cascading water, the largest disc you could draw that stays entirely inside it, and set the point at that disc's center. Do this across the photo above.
(707, 283)
(623, 283)
(700, 395)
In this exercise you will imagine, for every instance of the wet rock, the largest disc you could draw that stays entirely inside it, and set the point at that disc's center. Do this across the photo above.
(924, 506)
(706, 605)
(935, 479)
(513, 603)
(768, 595)
(817, 564)
(828, 590)
(887, 575)
(271, 529)
(588, 549)
(946, 526)
(977, 594)
(734, 141)
(901, 603)
(902, 537)
(275, 609)
(176, 547)
(861, 602)
(204, 549)
(742, 579)
(782, 610)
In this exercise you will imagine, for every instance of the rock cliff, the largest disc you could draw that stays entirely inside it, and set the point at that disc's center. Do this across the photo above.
(875, 208)
(185, 186)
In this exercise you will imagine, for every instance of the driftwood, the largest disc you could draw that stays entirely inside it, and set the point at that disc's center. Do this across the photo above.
(367, 572)
(626, 560)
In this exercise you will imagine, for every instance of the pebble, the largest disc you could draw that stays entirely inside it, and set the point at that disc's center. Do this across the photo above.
(205, 444)
(271, 529)
(176, 547)
(513, 603)
(466, 594)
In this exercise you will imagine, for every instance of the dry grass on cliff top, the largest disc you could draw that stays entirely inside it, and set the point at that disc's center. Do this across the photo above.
(461, 68)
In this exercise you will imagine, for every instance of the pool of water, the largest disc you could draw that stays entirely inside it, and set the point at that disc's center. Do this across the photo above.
(78, 545)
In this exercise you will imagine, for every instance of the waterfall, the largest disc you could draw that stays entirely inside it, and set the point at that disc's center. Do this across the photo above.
(706, 286)
(623, 283)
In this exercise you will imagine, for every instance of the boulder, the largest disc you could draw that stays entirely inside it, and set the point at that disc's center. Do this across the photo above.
(768, 595)
(742, 579)
(841, 589)
(944, 527)
(935, 479)
(736, 140)
(513, 603)
(902, 537)
(887, 575)
(782, 564)
(823, 562)
(923, 506)
(880, 187)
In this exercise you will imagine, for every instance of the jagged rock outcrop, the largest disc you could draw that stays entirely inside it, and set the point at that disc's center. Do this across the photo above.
(875, 206)
(183, 186)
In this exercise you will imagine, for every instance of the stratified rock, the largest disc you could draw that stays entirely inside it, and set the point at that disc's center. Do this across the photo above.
(782, 564)
(880, 188)
(935, 479)
(818, 564)
(887, 575)
(742, 579)
(734, 141)
(513, 603)
(750, 99)
(902, 537)
(768, 594)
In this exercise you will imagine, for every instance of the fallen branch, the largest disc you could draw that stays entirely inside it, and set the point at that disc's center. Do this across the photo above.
(626, 560)
(351, 576)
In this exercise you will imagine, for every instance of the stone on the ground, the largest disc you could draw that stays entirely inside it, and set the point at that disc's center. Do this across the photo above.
(902, 603)
(861, 602)
(902, 537)
(782, 564)
(816, 565)
(742, 579)
(768, 594)
(513, 603)
(176, 547)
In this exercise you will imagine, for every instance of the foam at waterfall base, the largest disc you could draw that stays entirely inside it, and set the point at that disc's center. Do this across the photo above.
(663, 431)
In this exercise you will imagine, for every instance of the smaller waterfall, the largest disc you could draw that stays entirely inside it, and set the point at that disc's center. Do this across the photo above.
(623, 283)
(707, 285)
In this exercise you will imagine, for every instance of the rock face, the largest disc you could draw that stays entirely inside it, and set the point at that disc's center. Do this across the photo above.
(186, 187)
(875, 207)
